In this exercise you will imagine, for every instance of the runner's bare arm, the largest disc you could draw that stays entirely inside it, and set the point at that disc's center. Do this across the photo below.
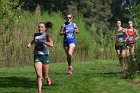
(30, 44)
(137, 35)
(76, 28)
(125, 30)
(62, 32)
(50, 41)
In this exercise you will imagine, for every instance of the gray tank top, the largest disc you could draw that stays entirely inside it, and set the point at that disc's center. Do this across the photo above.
(40, 48)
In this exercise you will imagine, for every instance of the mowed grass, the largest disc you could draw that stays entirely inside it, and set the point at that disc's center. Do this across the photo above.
(88, 77)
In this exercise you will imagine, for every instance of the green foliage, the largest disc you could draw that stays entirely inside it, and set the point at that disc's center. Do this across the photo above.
(92, 17)
(123, 10)
(103, 12)
(94, 11)
(136, 15)
(135, 62)
(8, 10)
(89, 46)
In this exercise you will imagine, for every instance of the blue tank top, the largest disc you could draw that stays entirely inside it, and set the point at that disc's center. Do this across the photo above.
(40, 48)
(70, 35)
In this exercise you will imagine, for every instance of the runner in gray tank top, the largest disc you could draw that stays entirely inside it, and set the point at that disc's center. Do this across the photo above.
(42, 41)
(40, 48)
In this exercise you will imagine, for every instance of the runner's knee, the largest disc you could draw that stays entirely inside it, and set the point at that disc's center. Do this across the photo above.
(39, 76)
(70, 54)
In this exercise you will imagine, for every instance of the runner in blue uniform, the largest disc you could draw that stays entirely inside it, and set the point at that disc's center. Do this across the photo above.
(69, 41)
(42, 41)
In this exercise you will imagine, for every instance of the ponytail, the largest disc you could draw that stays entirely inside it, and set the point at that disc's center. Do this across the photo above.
(49, 25)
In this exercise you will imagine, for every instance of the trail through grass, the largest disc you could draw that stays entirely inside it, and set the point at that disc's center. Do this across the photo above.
(88, 77)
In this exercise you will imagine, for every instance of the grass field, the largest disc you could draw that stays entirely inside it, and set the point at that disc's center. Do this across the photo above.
(88, 77)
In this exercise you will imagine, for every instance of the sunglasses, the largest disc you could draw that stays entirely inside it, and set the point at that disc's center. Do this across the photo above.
(69, 17)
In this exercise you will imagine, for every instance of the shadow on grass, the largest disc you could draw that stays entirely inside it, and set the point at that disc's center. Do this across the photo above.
(104, 74)
(109, 74)
(94, 73)
(60, 73)
(15, 82)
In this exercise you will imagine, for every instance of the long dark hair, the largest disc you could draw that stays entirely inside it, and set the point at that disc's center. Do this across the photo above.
(48, 25)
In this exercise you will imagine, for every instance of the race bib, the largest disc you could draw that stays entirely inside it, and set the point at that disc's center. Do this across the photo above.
(70, 35)
(130, 39)
(120, 39)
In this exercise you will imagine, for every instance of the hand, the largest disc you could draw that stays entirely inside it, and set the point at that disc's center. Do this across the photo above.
(76, 30)
(136, 39)
(66, 31)
(29, 45)
(125, 40)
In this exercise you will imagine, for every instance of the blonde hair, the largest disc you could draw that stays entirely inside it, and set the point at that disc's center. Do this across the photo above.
(69, 14)
(119, 21)
(130, 21)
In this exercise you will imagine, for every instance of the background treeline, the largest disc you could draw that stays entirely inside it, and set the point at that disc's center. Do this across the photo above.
(95, 19)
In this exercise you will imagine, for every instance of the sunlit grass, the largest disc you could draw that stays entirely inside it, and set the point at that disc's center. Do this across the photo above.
(88, 77)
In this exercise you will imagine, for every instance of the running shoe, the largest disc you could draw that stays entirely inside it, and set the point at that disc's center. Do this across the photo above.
(49, 82)
(70, 70)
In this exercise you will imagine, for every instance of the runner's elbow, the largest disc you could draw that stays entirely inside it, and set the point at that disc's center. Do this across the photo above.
(61, 33)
